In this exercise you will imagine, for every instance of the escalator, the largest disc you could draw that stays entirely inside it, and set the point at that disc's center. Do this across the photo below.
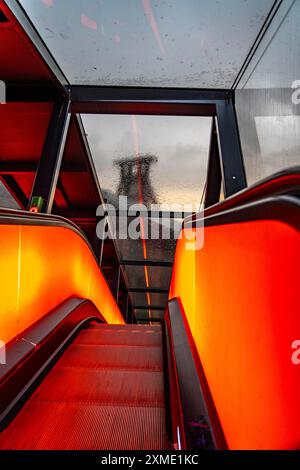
(75, 374)
(87, 385)
(215, 373)
(105, 392)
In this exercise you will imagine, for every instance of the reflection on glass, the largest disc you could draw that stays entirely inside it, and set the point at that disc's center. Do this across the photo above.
(178, 43)
(269, 120)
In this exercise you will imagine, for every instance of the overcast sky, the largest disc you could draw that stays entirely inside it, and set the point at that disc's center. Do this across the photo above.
(179, 143)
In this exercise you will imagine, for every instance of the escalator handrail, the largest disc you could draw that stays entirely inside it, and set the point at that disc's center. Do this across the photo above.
(281, 208)
(21, 217)
(194, 395)
(29, 356)
(283, 182)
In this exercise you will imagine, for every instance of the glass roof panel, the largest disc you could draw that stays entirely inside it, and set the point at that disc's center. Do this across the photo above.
(160, 43)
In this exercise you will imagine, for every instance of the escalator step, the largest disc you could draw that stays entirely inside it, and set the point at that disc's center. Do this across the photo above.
(120, 336)
(118, 357)
(105, 392)
(141, 388)
(137, 327)
(48, 425)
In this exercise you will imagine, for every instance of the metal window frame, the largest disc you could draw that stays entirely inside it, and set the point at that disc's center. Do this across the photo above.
(215, 103)
(214, 173)
(232, 163)
(46, 177)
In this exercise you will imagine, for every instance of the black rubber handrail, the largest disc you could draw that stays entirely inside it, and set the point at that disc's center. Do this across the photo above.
(286, 182)
(30, 356)
(281, 208)
(22, 217)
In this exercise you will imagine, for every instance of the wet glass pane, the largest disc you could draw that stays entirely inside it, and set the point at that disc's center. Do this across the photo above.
(148, 315)
(147, 249)
(6, 199)
(158, 299)
(150, 159)
(159, 163)
(156, 249)
(158, 276)
(139, 299)
(178, 43)
(142, 314)
(267, 99)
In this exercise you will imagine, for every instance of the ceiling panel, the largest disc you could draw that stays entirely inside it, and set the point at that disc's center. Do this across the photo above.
(165, 43)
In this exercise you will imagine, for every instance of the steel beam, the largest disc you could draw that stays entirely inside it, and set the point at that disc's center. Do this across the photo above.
(146, 262)
(214, 175)
(150, 307)
(149, 320)
(31, 93)
(50, 161)
(142, 100)
(149, 290)
(232, 164)
(94, 94)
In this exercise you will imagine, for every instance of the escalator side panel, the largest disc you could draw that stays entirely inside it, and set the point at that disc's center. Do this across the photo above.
(240, 293)
(42, 266)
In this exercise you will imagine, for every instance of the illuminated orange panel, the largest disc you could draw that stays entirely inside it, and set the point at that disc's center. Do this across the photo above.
(9, 260)
(244, 320)
(183, 278)
(41, 267)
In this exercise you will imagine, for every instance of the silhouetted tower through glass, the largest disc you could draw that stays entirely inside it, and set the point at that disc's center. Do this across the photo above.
(135, 180)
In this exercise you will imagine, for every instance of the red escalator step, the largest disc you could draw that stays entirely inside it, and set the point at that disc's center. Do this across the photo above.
(141, 388)
(105, 392)
(44, 426)
(120, 336)
(140, 328)
(118, 357)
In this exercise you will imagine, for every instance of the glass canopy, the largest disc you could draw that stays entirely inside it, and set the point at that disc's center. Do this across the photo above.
(156, 43)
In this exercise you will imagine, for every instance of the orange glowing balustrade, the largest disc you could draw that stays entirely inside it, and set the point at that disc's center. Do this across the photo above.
(40, 267)
(241, 297)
